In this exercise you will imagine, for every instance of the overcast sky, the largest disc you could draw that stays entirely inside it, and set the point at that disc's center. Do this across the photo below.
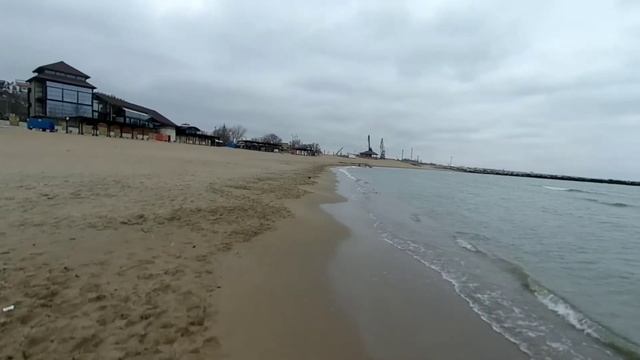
(544, 85)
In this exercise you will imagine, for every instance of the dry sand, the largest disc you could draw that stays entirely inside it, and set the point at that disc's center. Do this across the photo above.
(124, 249)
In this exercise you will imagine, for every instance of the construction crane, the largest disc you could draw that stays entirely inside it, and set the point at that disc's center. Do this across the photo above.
(339, 152)
(382, 151)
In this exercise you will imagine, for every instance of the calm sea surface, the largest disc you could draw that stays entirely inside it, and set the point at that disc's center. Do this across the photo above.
(554, 266)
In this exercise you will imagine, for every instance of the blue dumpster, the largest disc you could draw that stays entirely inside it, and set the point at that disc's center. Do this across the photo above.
(41, 124)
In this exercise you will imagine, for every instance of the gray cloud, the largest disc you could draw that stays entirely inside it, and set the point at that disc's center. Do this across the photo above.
(531, 85)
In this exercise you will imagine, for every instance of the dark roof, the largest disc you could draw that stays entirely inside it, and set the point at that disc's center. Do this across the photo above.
(189, 128)
(259, 142)
(62, 79)
(122, 103)
(62, 67)
(369, 153)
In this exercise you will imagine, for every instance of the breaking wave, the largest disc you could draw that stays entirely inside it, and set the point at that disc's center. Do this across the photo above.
(578, 320)
(570, 313)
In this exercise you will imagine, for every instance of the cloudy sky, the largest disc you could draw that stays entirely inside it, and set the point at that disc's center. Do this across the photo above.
(542, 85)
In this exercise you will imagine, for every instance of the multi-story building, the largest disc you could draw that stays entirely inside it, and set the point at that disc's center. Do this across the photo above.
(60, 91)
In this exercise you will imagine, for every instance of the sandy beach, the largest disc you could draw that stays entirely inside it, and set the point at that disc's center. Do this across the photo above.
(114, 249)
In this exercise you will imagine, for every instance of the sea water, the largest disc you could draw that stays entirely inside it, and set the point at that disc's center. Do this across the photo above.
(554, 266)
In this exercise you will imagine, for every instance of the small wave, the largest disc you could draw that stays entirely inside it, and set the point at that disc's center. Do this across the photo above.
(552, 301)
(618, 204)
(347, 174)
(471, 236)
(556, 304)
(415, 218)
(554, 188)
(614, 204)
(465, 245)
(466, 241)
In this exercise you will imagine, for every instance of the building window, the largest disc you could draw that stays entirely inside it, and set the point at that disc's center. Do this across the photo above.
(70, 96)
(68, 101)
(84, 98)
(137, 118)
(54, 93)
(62, 109)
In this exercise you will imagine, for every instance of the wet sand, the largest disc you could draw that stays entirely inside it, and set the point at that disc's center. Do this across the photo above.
(278, 301)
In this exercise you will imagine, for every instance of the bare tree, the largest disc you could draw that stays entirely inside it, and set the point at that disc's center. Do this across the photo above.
(272, 139)
(236, 133)
(223, 133)
(295, 142)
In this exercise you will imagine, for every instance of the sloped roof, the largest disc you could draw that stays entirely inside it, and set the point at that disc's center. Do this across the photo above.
(368, 153)
(62, 67)
(135, 107)
(62, 79)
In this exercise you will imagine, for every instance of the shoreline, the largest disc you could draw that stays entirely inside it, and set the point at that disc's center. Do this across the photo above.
(323, 280)
(278, 302)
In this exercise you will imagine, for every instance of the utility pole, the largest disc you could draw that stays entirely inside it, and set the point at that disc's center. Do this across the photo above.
(450, 160)
(402, 156)
(411, 154)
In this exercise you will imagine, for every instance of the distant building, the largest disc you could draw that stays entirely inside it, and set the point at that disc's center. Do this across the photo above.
(118, 117)
(14, 87)
(20, 87)
(188, 134)
(305, 149)
(369, 153)
(257, 145)
(59, 91)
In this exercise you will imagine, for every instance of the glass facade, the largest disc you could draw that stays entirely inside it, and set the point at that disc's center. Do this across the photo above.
(122, 115)
(98, 108)
(68, 101)
(136, 118)
(64, 109)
